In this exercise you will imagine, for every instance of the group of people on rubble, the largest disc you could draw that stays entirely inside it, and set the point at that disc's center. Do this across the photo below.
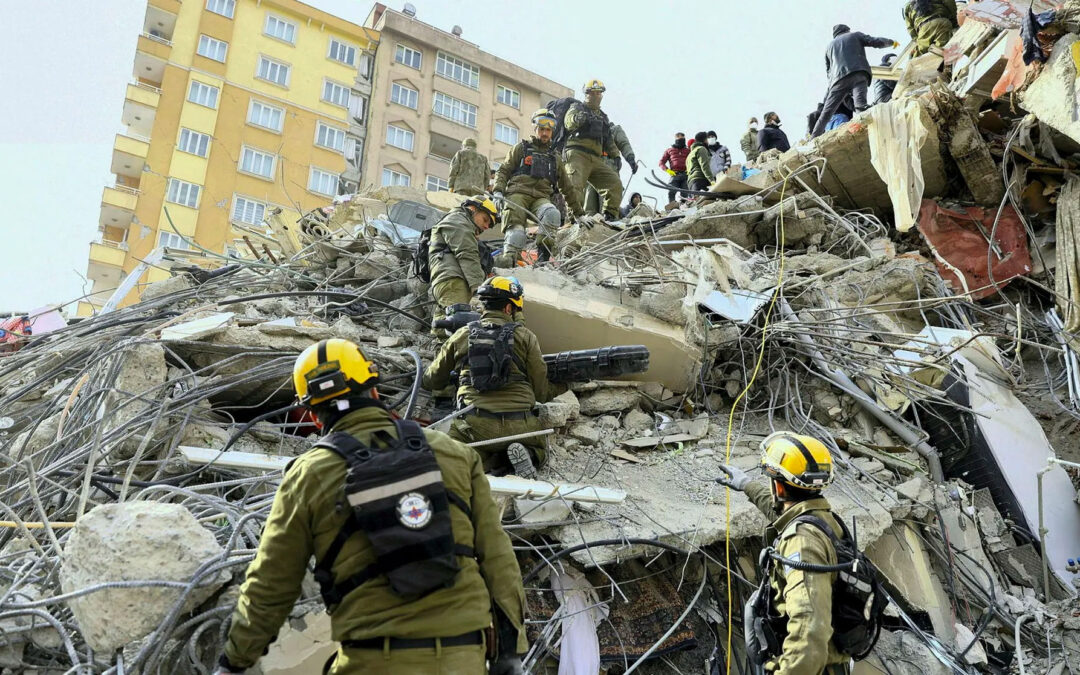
(410, 556)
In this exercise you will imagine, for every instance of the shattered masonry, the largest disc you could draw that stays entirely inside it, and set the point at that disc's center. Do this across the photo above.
(925, 323)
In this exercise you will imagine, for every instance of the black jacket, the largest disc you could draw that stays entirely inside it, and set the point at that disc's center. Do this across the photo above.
(883, 91)
(846, 54)
(772, 137)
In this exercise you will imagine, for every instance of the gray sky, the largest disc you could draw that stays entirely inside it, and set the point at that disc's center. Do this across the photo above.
(669, 66)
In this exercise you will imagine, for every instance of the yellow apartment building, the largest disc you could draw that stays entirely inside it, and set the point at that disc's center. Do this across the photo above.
(234, 107)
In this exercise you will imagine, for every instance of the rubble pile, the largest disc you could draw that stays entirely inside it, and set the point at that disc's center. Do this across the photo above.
(904, 288)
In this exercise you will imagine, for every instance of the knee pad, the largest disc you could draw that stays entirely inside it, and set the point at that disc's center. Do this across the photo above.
(550, 218)
(516, 239)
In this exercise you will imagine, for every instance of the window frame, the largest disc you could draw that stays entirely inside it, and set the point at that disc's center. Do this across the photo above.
(455, 62)
(281, 113)
(407, 133)
(441, 185)
(435, 102)
(320, 125)
(244, 149)
(209, 39)
(230, 4)
(273, 62)
(499, 88)
(416, 96)
(327, 83)
(270, 16)
(209, 87)
(407, 177)
(200, 137)
(346, 45)
(256, 202)
(517, 133)
(405, 49)
(311, 175)
(173, 197)
(181, 244)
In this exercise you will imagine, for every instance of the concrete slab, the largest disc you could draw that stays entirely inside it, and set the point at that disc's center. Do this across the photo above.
(902, 558)
(1053, 96)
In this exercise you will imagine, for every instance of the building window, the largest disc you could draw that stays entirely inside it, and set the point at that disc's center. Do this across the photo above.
(399, 138)
(436, 184)
(343, 52)
(409, 57)
(212, 49)
(222, 7)
(247, 210)
(391, 177)
(506, 133)
(453, 68)
(257, 163)
(402, 95)
(329, 137)
(357, 104)
(508, 96)
(193, 142)
(183, 193)
(203, 94)
(455, 110)
(322, 182)
(273, 71)
(171, 240)
(332, 92)
(279, 28)
(266, 116)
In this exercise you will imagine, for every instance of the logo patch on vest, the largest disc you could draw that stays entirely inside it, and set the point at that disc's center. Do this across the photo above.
(414, 510)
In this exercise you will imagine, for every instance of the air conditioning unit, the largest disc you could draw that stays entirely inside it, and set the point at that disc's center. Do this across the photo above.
(409, 9)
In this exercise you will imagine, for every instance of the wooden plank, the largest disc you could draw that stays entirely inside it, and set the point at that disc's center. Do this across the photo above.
(653, 441)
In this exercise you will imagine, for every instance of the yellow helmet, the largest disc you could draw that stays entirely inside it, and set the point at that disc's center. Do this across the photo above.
(503, 288)
(593, 85)
(799, 461)
(544, 118)
(332, 369)
(484, 204)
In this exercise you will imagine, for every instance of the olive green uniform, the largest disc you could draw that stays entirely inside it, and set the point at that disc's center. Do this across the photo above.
(469, 170)
(305, 519)
(589, 142)
(534, 194)
(934, 30)
(805, 598)
(697, 164)
(749, 145)
(516, 398)
(622, 142)
(454, 258)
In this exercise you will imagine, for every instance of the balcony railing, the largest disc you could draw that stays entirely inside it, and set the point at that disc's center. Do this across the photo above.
(126, 189)
(158, 38)
(148, 87)
(119, 245)
(439, 158)
(133, 136)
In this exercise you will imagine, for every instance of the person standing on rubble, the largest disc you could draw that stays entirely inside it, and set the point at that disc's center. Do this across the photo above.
(501, 372)
(454, 254)
(719, 155)
(848, 70)
(528, 178)
(468, 170)
(412, 560)
(593, 200)
(798, 468)
(749, 141)
(883, 89)
(698, 171)
(930, 23)
(673, 162)
(589, 141)
(772, 136)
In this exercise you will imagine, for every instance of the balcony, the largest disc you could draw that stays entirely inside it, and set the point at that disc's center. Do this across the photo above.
(129, 155)
(105, 269)
(160, 20)
(120, 198)
(107, 252)
(140, 107)
(151, 55)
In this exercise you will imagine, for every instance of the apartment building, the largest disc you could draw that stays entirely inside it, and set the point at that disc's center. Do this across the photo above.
(431, 90)
(234, 107)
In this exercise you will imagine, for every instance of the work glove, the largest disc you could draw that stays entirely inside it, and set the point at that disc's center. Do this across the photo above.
(670, 172)
(736, 479)
(895, 44)
(633, 164)
(498, 196)
(506, 665)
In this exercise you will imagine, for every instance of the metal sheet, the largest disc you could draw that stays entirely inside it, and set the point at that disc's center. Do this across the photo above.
(740, 306)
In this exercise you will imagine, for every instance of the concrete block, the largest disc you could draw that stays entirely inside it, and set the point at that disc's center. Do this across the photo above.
(902, 558)
(303, 645)
(1053, 95)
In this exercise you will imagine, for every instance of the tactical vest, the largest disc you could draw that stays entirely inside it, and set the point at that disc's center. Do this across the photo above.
(491, 356)
(537, 163)
(595, 127)
(398, 500)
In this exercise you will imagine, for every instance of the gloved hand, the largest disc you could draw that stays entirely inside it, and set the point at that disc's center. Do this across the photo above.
(895, 44)
(506, 665)
(670, 172)
(633, 164)
(498, 196)
(736, 479)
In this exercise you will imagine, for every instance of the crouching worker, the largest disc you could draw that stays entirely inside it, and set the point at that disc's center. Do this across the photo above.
(501, 372)
(411, 559)
(531, 173)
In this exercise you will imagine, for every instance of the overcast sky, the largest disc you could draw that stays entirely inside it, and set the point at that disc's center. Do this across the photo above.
(669, 66)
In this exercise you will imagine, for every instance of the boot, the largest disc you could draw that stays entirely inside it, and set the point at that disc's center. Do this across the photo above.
(543, 254)
(519, 457)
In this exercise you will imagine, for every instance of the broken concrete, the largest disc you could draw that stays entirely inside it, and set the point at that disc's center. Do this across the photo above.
(1053, 95)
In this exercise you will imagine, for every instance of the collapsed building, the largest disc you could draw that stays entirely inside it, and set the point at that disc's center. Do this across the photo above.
(903, 287)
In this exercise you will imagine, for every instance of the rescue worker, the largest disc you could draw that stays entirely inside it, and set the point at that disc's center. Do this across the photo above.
(468, 170)
(848, 70)
(417, 614)
(589, 142)
(698, 171)
(719, 155)
(593, 201)
(454, 255)
(883, 89)
(673, 162)
(930, 23)
(749, 141)
(527, 178)
(501, 372)
(798, 468)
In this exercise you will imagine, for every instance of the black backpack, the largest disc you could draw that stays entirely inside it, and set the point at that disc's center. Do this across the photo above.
(558, 108)
(858, 605)
(421, 262)
(491, 355)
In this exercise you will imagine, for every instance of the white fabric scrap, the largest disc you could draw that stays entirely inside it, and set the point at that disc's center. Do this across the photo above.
(579, 652)
(897, 134)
